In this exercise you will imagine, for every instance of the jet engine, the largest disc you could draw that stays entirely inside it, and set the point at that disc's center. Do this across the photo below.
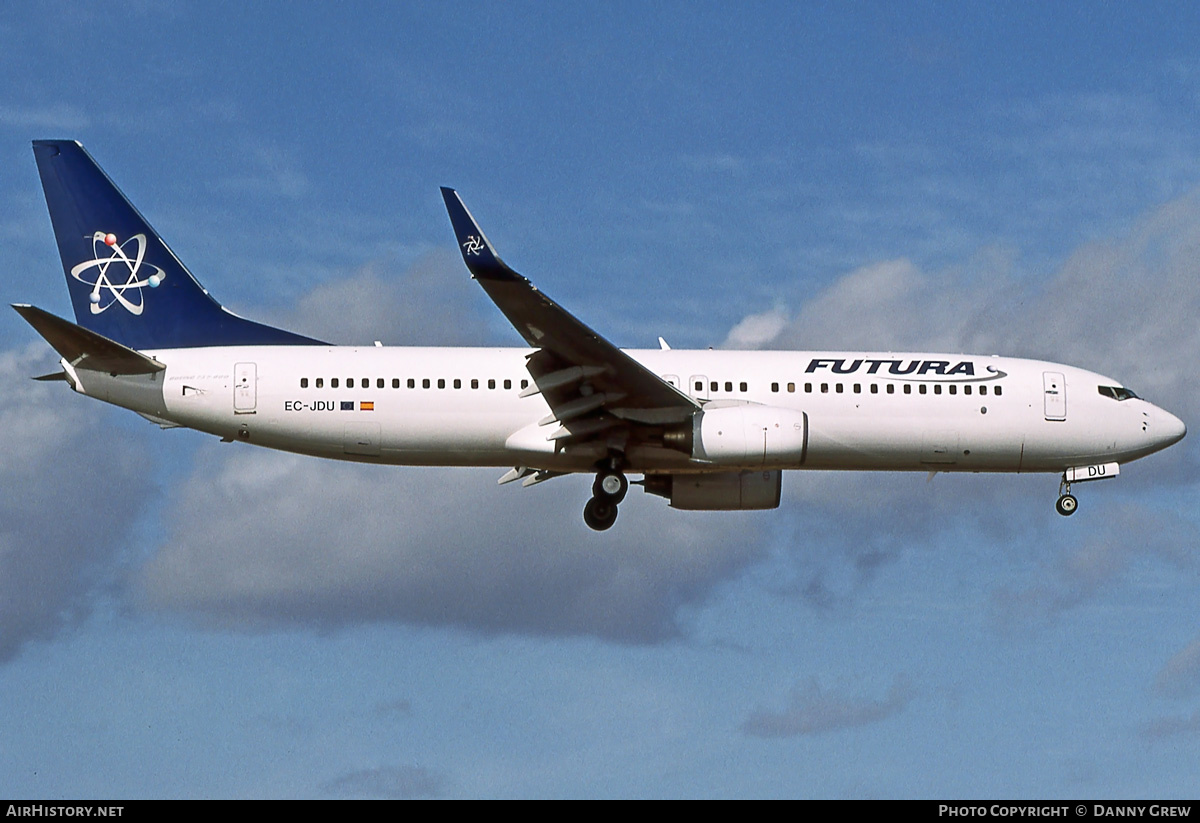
(743, 435)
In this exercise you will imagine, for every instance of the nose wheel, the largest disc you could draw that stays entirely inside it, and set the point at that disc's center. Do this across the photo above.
(1067, 504)
(608, 490)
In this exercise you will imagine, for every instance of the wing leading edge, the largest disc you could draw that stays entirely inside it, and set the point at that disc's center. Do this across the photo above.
(593, 388)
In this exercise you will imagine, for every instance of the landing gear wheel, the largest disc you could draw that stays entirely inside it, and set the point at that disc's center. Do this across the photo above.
(611, 485)
(600, 513)
(1066, 505)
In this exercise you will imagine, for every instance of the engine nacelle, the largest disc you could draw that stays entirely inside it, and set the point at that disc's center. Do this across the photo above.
(727, 491)
(744, 435)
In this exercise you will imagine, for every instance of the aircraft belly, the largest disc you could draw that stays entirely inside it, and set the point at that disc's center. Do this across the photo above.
(898, 443)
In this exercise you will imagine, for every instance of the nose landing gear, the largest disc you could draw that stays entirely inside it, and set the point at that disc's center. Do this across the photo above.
(1067, 504)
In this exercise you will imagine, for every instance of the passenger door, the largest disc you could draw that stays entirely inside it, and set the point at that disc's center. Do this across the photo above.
(245, 388)
(1054, 388)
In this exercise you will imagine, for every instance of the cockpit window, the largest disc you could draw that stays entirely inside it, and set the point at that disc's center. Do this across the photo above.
(1117, 393)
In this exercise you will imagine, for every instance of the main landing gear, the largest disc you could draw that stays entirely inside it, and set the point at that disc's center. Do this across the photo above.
(608, 490)
(1067, 504)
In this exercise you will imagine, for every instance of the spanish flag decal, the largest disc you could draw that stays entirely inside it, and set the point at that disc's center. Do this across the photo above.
(366, 405)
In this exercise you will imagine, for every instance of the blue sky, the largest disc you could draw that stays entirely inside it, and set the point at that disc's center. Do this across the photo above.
(180, 617)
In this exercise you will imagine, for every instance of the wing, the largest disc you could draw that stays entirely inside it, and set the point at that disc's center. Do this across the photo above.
(594, 389)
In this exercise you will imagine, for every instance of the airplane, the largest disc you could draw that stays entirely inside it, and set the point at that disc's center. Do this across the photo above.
(707, 430)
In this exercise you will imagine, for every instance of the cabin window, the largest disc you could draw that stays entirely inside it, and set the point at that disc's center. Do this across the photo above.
(320, 382)
(791, 387)
(304, 382)
(774, 387)
(491, 384)
(507, 384)
(908, 388)
(838, 388)
(699, 386)
(808, 388)
(953, 389)
(412, 383)
(728, 386)
(937, 388)
(921, 388)
(524, 384)
(967, 389)
(333, 382)
(891, 388)
(983, 389)
(441, 382)
(349, 382)
(425, 383)
(713, 386)
(474, 383)
(874, 388)
(858, 388)
(743, 387)
(457, 383)
(824, 388)
(379, 384)
(997, 391)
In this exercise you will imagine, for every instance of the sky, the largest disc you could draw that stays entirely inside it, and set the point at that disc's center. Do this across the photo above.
(185, 618)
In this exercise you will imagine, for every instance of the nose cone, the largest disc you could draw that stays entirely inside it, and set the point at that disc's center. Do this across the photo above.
(1167, 429)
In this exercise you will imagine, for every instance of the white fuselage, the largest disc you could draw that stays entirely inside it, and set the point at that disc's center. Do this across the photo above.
(462, 407)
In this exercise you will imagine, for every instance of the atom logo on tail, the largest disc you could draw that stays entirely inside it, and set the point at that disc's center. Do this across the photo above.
(95, 273)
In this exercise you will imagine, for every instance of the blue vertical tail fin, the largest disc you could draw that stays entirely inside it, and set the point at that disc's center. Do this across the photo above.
(125, 282)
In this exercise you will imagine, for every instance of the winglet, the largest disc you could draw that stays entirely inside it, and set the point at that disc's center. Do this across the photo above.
(477, 252)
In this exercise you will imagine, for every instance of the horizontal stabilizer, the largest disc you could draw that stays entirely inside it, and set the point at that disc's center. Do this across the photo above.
(85, 349)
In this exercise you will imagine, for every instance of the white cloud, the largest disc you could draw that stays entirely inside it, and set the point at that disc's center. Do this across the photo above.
(260, 537)
(753, 331)
(269, 171)
(1168, 727)
(47, 117)
(813, 710)
(1180, 676)
(1124, 307)
(73, 487)
(433, 302)
(391, 782)
(1097, 560)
